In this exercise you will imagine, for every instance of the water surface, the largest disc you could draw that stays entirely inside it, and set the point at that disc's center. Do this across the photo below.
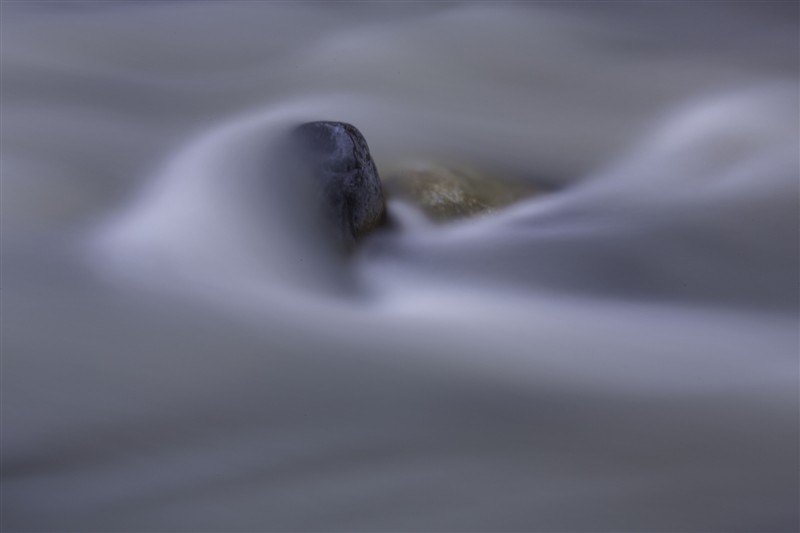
(181, 353)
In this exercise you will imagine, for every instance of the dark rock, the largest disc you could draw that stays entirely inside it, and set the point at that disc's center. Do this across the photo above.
(336, 157)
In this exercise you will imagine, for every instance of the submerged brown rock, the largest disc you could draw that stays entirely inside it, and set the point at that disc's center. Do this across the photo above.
(453, 192)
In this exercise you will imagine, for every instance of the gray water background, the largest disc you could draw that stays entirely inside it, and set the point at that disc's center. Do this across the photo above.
(180, 353)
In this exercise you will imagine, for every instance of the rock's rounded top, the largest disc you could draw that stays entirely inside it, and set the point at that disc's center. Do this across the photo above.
(337, 157)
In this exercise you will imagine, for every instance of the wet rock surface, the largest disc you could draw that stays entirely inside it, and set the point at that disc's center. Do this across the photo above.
(336, 156)
(453, 192)
(351, 194)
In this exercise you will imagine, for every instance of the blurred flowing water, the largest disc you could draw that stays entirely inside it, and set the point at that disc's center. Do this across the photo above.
(180, 353)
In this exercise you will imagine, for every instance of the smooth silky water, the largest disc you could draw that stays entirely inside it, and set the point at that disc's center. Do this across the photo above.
(181, 351)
